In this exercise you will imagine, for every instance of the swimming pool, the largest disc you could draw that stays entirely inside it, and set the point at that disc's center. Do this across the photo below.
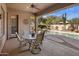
(71, 35)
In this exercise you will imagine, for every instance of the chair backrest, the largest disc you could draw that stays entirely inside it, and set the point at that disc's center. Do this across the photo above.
(40, 37)
(19, 38)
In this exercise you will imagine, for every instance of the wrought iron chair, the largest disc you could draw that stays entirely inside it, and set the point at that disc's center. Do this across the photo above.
(21, 41)
(36, 46)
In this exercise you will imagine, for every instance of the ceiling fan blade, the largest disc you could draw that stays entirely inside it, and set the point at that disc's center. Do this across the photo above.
(36, 8)
(33, 6)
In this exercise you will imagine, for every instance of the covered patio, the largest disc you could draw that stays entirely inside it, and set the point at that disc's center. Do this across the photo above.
(22, 18)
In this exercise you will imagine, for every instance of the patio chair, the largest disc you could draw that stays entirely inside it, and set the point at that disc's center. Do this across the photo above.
(36, 46)
(40, 37)
(21, 41)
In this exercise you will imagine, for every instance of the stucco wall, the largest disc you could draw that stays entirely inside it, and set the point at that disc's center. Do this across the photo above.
(60, 27)
(22, 15)
(3, 39)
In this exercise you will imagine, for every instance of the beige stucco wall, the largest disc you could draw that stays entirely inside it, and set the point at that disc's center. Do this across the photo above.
(22, 15)
(3, 39)
(60, 27)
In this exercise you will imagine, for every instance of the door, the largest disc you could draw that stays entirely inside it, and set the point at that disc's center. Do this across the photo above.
(12, 26)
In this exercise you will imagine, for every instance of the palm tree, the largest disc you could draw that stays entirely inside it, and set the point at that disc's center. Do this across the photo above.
(42, 23)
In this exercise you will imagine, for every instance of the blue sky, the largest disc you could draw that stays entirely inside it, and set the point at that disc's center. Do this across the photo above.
(72, 12)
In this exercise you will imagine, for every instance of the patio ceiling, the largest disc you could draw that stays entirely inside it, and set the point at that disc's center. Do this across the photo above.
(44, 7)
(26, 6)
(55, 7)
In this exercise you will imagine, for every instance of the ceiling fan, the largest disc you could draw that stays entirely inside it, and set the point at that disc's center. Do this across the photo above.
(33, 6)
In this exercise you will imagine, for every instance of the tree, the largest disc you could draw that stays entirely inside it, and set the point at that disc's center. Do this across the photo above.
(50, 20)
(74, 21)
(42, 23)
(71, 27)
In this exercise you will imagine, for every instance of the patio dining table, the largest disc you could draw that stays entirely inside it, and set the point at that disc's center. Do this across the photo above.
(31, 39)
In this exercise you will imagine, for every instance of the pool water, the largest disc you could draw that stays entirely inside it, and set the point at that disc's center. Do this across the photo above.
(69, 35)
